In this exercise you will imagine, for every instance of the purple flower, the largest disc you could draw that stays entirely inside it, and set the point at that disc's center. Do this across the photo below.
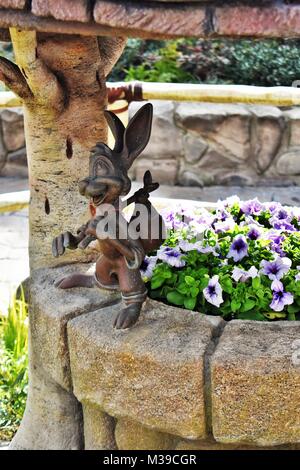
(224, 225)
(273, 206)
(280, 297)
(171, 256)
(281, 220)
(147, 266)
(186, 245)
(276, 238)
(275, 269)
(213, 292)
(172, 219)
(252, 207)
(242, 275)
(297, 277)
(238, 249)
(254, 232)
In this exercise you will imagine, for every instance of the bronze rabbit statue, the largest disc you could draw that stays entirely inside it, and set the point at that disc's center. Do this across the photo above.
(118, 266)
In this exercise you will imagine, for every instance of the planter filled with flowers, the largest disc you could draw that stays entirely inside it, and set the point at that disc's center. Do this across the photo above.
(240, 260)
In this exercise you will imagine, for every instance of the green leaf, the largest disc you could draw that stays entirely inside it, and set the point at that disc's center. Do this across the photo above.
(190, 303)
(291, 316)
(256, 283)
(235, 305)
(157, 282)
(251, 315)
(248, 305)
(226, 284)
(175, 298)
(189, 280)
(194, 291)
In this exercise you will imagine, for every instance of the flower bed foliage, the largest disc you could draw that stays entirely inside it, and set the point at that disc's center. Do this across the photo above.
(270, 62)
(240, 260)
(13, 367)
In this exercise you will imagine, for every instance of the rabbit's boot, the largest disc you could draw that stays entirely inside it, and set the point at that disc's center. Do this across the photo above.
(129, 315)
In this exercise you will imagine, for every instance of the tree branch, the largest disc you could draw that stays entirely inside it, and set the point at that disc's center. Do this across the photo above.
(110, 49)
(42, 82)
(13, 78)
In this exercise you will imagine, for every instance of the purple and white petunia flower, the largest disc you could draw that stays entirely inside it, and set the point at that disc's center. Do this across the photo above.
(147, 266)
(186, 245)
(275, 269)
(276, 238)
(297, 277)
(281, 219)
(213, 292)
(239, 248)
(252, 207)
(280, 297)
(254, 232)
(172, 219)
(171, 256)
(224, 225)
(242, 275)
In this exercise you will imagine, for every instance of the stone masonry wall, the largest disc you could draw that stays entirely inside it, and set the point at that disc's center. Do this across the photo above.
(12, 139)
(196, 144)
(176, 380)
(199, 144)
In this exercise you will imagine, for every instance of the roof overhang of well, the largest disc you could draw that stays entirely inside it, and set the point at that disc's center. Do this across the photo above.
(154, 19)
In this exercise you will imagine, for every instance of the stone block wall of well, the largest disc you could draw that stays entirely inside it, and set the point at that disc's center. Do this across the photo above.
(176, 380)
(196, 144)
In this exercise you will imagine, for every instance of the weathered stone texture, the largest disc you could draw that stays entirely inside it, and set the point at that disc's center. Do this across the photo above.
(13, 129)
(153, 373)
(51, 309)
(225, 144)
(98, 428)
(76, 10)
(267, 21)
(18, 4)
(52, 418)
(133, 436)
(255, 374)
(166, 21)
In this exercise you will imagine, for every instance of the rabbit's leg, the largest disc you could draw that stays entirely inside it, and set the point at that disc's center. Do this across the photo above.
(105, 278)
(134, 294)
(76, 280)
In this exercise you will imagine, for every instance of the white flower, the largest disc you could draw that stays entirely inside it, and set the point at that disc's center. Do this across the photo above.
(213, 292)
(242, 275)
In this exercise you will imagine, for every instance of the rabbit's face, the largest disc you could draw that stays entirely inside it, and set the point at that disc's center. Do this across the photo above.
(108, 178)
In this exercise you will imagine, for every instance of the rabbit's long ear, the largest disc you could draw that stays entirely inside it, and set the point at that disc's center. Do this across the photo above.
(137, 133)
(117, 128)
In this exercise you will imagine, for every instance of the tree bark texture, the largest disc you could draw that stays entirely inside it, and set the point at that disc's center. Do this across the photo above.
(61, 80)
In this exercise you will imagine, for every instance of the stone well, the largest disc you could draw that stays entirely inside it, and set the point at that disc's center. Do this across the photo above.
(176, 380)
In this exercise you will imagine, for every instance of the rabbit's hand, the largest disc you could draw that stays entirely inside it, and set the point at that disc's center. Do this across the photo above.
(142, 195)
(63, 241)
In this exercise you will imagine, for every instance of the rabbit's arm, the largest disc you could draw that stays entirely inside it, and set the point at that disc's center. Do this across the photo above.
(68, 240)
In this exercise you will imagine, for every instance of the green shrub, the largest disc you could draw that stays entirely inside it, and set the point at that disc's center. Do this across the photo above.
(246, 62)
(13, 367)
(5, 51)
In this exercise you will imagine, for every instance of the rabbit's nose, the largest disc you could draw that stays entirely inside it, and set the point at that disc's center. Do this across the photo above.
(82, 185)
